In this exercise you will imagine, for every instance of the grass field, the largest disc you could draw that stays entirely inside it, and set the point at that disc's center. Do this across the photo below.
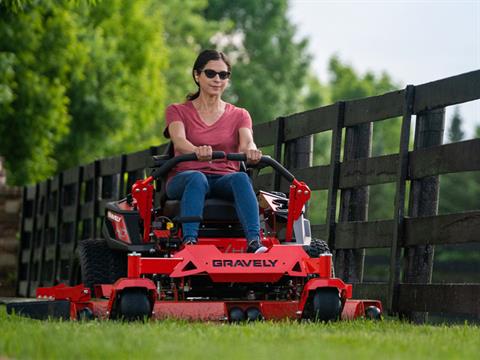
(22, 338)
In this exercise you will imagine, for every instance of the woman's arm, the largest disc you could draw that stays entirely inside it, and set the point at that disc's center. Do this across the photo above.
(176, 129)
(247, 145)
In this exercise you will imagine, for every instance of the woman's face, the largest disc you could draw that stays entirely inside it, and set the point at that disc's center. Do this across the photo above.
(213, 86)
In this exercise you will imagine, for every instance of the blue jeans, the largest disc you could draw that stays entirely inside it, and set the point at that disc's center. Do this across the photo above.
(192, 187)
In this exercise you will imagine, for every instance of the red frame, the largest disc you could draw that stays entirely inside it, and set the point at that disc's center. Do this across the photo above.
(225, 261)
(288, 259)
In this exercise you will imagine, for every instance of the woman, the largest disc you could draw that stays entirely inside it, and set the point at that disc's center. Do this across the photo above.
(206, 123)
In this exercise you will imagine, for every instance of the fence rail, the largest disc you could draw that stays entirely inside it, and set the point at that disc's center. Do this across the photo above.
(68, 208)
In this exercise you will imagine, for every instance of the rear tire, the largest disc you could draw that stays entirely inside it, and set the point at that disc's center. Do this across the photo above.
(95, 260)
(316, 248)
(319, 247)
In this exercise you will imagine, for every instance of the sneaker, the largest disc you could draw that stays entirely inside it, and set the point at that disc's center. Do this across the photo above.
(255, 246)
(189, 240)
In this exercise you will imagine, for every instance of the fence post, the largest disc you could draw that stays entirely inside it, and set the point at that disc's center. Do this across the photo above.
(335, 151)
(354, 203)
(418, 264)
(399, 216)
(299, 154)
(279, 140)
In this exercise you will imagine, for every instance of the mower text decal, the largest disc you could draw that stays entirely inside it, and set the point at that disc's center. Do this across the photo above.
(114, 217)
(244, 263)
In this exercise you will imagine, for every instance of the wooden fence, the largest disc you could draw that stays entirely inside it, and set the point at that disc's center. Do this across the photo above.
(10, 199)
(60, 212)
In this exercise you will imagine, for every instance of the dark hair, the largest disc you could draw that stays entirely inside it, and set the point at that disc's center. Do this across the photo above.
(202, 59)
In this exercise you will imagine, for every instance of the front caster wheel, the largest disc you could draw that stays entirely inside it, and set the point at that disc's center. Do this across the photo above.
(134, 305)
(373, 313)
(326, 305)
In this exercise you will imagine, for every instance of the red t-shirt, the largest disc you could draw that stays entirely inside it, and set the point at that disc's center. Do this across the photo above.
(222, 135)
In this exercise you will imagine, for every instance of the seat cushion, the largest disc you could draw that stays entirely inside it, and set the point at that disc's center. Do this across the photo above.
(214, 210)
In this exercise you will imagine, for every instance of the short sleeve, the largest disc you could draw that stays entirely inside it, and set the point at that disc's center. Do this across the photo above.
(245, 120)
(172, 114)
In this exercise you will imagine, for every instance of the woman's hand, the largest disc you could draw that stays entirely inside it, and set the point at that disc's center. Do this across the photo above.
(253, 156)
(203, 152)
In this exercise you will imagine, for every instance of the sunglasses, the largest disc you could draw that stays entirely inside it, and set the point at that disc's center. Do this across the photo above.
(212, 73)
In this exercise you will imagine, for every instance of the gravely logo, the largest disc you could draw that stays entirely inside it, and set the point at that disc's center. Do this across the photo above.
(114, 217)
(244, 263)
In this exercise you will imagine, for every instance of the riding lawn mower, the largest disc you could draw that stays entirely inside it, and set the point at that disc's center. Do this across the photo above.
(140, 269)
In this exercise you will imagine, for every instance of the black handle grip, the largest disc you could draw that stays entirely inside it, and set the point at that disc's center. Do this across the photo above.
(170, 164)
(265, 160)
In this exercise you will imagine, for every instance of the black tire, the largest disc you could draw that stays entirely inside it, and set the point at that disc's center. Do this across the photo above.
(319, 247)
(326, 305)
(316, 248)
(134, 305)
(95, 261)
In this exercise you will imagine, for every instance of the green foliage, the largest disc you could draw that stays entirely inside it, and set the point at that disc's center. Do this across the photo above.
(459, 191)
(79, 82)
(118, 92)
(270, 66)
(186, 32)
(38, 50)
(346, 84)
(455, 132)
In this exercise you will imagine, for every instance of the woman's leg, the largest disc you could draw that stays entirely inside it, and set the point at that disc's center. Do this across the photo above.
(237, 186)
(191, 187)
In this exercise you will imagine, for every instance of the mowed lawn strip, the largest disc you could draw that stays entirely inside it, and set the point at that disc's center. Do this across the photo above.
(22, 338)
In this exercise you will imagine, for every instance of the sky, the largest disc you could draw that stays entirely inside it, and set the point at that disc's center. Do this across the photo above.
(413, 41)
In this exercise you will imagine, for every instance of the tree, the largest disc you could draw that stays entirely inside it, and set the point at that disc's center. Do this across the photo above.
(118, 94)
(186, 31)
(79, 81)
(38, 52)
(455, 132)
(270, 66)
(459, 191)
(346, 84)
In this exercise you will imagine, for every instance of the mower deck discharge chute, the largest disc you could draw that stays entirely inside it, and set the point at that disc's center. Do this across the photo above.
(140, 269)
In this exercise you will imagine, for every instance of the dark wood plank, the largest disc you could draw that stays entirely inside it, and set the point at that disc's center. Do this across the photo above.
(138, 160)
(370, 291)
(443, 229)
(263, 182)
(111, 166)
(363, 234)
(265, 133)
(31, 192)
(310, 122)
(320, 231)
(368, 171)
(87, 210)
(443, 159)
(445, 298)
(374, 108)
(449, 91)
(71, 176)
(316, 177)
(89, 171)
(69, 213)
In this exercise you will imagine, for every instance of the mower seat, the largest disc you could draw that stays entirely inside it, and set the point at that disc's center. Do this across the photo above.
(214, 210)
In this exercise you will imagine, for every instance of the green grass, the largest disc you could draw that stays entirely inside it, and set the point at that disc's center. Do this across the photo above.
(22, 338)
